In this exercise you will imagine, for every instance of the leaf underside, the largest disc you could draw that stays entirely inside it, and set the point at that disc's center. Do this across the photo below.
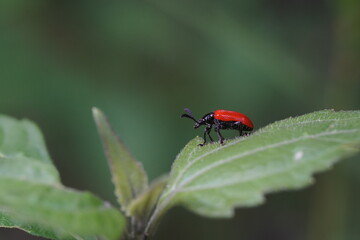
(214, 179)
(32, 197)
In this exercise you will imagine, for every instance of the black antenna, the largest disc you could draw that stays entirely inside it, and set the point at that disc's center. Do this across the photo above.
(189, 115)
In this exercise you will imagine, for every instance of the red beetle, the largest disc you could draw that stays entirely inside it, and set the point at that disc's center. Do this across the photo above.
(221, 119)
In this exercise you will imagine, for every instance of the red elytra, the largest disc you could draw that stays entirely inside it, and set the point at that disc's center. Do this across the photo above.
(226, 115)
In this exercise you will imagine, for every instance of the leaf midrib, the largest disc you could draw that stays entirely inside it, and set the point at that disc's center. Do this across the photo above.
(252, 177)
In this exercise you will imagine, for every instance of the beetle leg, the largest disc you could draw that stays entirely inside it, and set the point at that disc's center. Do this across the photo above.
(220, 136)
(206, 131)
(217, 130)
(241, 131)
(240, 126)
(202, 144)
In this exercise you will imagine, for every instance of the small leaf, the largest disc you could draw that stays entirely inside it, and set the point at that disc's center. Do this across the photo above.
(128, 175)
(33, 199)
(213, 179)
(142, 206)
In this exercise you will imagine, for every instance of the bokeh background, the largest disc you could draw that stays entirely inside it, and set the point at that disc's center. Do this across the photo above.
(142, 62)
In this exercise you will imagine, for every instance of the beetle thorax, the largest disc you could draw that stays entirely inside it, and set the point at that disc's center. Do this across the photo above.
(207, 119)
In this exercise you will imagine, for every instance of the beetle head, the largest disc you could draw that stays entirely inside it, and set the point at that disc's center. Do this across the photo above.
(189, 114)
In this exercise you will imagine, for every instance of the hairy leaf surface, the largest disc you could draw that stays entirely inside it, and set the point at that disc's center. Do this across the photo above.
(214, 179)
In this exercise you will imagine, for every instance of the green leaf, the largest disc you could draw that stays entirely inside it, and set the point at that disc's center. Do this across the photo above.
(142, 206)
(128, 175)
(22, 138)
(33, 199)
(213, 179)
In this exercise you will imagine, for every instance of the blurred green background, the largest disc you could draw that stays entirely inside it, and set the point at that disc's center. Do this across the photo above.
(142, 62)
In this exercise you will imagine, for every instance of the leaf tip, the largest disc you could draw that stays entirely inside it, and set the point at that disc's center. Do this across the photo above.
(98, 116)
(95, 111)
